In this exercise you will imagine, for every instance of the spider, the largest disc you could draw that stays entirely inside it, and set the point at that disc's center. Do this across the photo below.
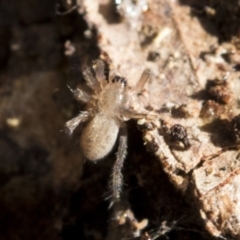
(111, 103)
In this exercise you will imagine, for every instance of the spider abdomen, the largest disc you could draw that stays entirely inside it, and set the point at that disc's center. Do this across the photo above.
(99, 136)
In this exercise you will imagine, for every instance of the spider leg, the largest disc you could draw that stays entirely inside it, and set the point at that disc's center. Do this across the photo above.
(99, 72)
(90, 78)
(112, 75)
(142, 113)
(80, 95)
(117, 178)
(73, 123)
(146, 75)
(66, 12)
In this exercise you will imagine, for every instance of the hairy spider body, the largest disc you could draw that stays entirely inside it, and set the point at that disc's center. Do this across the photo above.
(96, 146)
(111, 103)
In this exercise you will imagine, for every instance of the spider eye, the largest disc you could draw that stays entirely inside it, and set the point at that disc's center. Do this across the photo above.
(116, 79)
(124, 81)
(120, 79)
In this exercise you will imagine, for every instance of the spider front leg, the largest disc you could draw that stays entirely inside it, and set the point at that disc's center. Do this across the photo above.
(117, 178)
(146, 75)
(80, 95)
(99, 72)
(73, 123)
(90, 78)
(140, 113)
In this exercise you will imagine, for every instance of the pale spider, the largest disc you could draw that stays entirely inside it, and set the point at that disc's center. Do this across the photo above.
(111, 104)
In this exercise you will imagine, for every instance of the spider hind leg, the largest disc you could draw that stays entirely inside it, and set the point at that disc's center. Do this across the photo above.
(117, 178)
